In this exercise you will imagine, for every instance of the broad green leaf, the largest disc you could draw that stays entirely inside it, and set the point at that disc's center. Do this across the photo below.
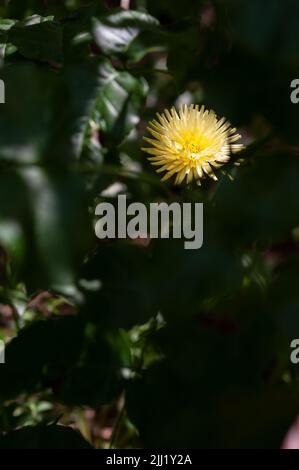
(128, 33)
(5, 47)
(25, 118)
(58, 208)
(99, 113)
(69, 355)
(119, 101)
(45, 345)
(38, 40)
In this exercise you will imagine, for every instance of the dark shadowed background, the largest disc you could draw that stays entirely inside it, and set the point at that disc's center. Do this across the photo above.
(143, 343)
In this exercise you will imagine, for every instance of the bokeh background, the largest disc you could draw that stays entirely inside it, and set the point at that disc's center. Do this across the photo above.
(141, 343)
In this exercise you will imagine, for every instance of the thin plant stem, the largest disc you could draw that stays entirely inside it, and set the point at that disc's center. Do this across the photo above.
(117, 425)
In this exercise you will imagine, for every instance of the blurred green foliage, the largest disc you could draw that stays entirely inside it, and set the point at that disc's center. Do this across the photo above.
(146, 344)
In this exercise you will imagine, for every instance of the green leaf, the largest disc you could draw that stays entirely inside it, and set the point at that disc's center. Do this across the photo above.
(98, 114)
(118, 104)
(44, 346)
(25, 121)
(128, 33)
(44, 437)
(69, 355)
(41, 40)
(37, 228)
(58, 204)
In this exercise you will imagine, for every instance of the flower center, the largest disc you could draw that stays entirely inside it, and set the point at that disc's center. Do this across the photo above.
(191, 148)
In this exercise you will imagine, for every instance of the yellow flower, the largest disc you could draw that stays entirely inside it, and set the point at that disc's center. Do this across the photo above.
(190, 143)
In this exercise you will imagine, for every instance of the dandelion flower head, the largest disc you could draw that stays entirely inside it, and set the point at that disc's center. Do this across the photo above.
(190, 143)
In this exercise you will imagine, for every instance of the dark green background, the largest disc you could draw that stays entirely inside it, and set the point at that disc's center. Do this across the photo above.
(82, 80)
